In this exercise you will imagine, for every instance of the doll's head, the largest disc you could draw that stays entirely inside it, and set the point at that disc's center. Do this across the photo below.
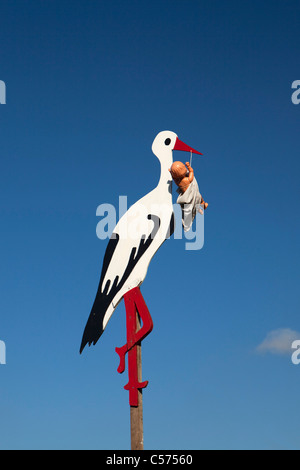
(178, 170)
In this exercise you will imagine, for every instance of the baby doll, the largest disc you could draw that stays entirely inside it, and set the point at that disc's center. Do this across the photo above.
(189, 198)
(183, 176)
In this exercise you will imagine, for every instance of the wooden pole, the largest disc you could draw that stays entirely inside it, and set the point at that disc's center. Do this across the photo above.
(136, 412)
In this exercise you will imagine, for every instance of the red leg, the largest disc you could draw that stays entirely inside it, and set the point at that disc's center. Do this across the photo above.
(133, 382)
(134, 302)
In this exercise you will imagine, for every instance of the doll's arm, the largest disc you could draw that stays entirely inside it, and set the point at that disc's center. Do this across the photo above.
(191, 172)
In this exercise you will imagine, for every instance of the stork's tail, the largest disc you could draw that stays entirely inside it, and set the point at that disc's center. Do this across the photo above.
(95, 325)
(92, 332)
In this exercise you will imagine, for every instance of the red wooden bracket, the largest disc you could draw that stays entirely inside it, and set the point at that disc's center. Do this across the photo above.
(134, 302)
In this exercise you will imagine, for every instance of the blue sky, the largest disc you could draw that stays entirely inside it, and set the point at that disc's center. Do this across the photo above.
(89, 85)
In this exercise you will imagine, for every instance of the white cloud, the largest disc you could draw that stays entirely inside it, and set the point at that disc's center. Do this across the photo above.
(279, 341)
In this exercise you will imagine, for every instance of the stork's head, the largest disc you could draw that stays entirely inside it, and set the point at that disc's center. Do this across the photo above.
(165, 142)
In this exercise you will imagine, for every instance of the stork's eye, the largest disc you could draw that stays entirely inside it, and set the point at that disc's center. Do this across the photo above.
(167, 141)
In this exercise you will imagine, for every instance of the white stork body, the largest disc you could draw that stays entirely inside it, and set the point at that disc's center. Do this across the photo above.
(135, 239)
(134, 225)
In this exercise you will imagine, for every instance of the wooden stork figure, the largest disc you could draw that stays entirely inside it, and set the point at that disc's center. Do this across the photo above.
(134, 241)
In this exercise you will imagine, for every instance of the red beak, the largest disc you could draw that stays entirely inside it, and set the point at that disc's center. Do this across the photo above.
(179, 145)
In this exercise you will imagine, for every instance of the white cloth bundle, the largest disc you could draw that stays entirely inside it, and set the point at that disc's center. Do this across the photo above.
(190, 202)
